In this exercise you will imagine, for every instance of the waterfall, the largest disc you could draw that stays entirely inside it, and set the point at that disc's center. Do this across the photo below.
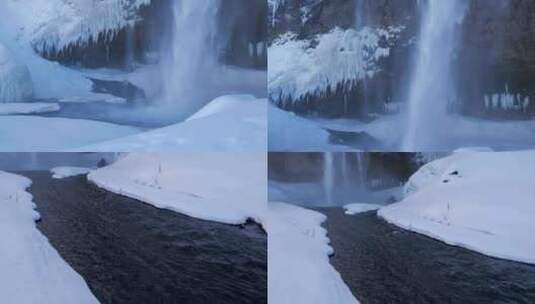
(361, 17)
(328, 177)
(361, 21)
(345, 171)
(362, 168)
(431, 86)
(191, 57)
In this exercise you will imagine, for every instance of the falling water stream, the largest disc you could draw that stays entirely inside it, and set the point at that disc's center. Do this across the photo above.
(328, 177)
(192, 55)
(432, 86)
(361, 19)
(362, 168)
(339, 172)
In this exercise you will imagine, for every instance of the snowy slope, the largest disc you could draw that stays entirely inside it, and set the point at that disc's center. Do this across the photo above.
(223, 187)
(228, 123)
(301, 67)
(31, 133)
(32, 271)
(298, 259)
(481, 201)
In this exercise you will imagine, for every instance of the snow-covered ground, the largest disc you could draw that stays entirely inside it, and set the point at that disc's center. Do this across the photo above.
(63, 172)
(357, 208)
(228, 123)
(32, 271)
(14, 108)
(223, 187)
(298, 259)
(478, 200)
(32, 133)
(288, 131)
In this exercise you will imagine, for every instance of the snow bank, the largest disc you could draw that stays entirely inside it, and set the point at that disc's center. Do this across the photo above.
(481, 201)
(28, 108)
(301, 67)
(32, 271)
(15, 81)
(223, 187)
(229, 123)
(289, 132)
(357, 208)
(298, 259)
(63, 172)
(31, 134)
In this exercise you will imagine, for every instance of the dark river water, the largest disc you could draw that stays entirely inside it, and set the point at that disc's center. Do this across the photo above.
(131, 252)
(384, 264)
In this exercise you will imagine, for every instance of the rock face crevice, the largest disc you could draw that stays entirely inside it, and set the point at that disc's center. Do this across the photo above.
(494, 68)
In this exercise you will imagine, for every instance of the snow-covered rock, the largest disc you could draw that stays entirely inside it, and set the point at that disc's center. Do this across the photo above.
(298, 259)
(298, 68)
(478, 200)
(28, 108)
(15, 80)
(228, 123)
(63, 172)
(32, 271)
(223, 187)
(51, 25)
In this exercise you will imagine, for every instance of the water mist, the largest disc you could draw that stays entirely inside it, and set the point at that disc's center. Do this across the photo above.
(432, 86)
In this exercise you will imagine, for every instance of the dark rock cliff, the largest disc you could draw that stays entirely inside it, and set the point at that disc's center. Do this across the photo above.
(496, 54)
(241, 22)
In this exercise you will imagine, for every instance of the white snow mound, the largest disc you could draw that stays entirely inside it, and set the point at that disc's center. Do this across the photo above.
(481, 201)
(228, 123)
(222, 187)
